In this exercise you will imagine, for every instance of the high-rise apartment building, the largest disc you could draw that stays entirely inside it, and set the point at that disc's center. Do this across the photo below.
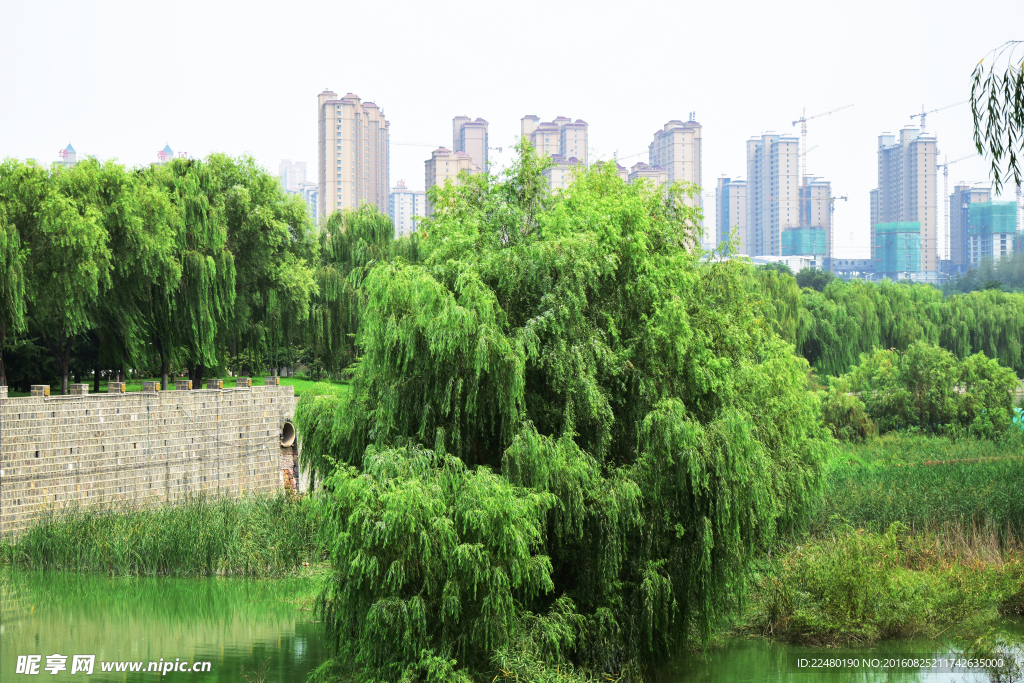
(731, 212)
(404, 207)
(445, 164)
(561, 136)
(470, 137)
(810, 237)
(677, 149)
(773, 192)
(291, 174)
(907, 192)
(960, 202)
(353, 153)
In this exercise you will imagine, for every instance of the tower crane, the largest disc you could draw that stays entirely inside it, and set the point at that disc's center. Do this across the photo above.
(924, 114)
(803, 136)
(945, 190)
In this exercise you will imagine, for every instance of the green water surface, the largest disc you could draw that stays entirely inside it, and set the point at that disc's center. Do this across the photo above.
(260, 631)
(249, 630)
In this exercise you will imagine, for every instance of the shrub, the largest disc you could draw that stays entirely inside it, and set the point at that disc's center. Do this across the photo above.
(928, 389)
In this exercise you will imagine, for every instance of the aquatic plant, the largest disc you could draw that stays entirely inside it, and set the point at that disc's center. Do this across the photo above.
(254, 535)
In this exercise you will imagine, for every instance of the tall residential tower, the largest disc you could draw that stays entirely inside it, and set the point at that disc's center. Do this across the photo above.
(907, 193)
(731, 212)
(773, 192)
(677, 149)
(562, 136)
(353, 153)
(470, 136)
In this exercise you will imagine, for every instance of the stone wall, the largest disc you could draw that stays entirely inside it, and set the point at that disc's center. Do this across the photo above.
(144, 448)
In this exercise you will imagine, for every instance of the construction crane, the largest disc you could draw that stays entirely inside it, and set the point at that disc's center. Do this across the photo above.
(803, 136)
(924, 114)
(945, 190)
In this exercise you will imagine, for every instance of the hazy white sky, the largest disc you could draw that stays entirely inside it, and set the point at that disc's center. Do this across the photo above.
(121, 79)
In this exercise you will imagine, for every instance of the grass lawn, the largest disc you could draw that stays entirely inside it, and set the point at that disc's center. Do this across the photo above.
(301, 385)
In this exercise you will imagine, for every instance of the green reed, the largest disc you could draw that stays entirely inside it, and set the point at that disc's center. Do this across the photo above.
(889, 480)
(254, 535)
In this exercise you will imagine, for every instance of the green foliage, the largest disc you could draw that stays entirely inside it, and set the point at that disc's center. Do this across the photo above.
(12, 285)
(815, 278)
(833, 327)
(860, 586)
(846, 416)
(874, 485)
(351, 243)
(270, 237)
(181, 265)
(430, 557)
(563, 424)
(997, 105)
(1006, 273)
(927, 388)
(255, 536)
(776, 267)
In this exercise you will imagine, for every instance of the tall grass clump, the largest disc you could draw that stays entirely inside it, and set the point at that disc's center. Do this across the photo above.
(967, 493)
(254, 535)
(856, 586)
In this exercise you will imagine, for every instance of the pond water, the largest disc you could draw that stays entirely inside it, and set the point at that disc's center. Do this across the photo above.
(248, 630)
(255, 630)
(750, 660)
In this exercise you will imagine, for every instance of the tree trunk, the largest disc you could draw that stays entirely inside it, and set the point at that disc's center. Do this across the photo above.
(163, 373)
(96, 381)
(198, 381)
(65, 362)
(3, 371)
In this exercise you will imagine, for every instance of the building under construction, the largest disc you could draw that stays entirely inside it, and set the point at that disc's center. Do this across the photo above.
(897, 249)
(993, 231)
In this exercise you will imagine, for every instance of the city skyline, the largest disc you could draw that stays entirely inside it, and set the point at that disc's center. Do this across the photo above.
(113, 115)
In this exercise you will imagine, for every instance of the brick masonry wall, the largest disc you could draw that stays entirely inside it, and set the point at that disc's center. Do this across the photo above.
(141, 447)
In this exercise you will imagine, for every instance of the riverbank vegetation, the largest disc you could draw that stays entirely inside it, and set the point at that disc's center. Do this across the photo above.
(917, 535)
(251, 536)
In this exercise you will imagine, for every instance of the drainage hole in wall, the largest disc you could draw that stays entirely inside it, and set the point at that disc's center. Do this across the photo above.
(37, 454)
(135, 445)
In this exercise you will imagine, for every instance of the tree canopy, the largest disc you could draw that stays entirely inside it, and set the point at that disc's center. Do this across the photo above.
(190, 264)
(567, 435)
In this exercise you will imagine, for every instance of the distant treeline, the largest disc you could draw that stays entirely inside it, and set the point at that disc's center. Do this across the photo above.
(832, 327)
(191, 266)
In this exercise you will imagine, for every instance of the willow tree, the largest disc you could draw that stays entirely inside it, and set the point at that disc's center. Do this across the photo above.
(68, 263)
(12, 285)
(565, 440)
(352, 241)
(997, 104)
(187, 312)
(270, 237)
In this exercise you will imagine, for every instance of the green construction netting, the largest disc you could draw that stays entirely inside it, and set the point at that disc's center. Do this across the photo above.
(898, 248)
(992, 217)
(803, 241)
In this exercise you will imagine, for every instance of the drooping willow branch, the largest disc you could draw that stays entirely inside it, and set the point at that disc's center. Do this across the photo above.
(997, 104)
